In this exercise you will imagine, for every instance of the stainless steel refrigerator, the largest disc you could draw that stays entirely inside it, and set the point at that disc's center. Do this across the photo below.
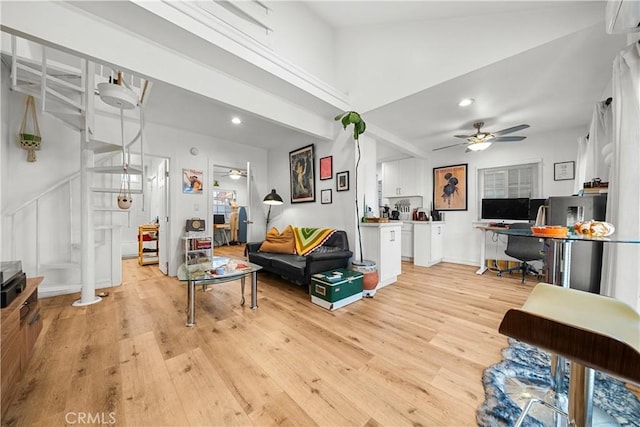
(586, 257)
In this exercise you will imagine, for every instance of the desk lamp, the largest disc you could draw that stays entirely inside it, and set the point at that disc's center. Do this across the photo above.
(271, 199)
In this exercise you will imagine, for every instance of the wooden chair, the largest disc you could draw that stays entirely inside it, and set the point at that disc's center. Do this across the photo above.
(592, 331)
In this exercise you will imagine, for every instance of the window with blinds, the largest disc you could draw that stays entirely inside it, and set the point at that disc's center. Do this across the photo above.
(510, 181)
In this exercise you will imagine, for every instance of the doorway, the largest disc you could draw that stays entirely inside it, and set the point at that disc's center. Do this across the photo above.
(152, 207)
(230, 198)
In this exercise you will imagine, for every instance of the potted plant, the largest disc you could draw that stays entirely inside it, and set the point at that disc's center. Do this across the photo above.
(368, 268)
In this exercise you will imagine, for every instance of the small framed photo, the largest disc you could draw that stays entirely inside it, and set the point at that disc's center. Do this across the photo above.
(192, 181)
(326, 167)
(325, 196)
(564, 171)
(342, 181)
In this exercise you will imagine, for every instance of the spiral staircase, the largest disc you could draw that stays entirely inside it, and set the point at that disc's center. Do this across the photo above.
(70, 233)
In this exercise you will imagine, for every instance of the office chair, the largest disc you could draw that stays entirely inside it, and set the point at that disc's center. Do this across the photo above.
(524, 249)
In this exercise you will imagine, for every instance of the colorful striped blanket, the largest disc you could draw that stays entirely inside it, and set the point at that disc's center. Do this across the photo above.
(309, 239)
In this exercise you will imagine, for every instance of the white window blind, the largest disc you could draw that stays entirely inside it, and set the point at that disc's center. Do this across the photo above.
(510, 181)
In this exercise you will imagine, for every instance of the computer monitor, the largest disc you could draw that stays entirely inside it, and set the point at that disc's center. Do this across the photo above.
(218, 219)
(511, 209)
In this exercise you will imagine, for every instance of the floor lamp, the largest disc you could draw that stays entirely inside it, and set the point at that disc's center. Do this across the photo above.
(271, 199)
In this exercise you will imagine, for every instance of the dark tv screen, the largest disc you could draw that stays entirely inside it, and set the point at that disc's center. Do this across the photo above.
(513, 209)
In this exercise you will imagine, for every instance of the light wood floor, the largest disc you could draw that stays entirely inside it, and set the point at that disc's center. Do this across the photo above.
(413, 355)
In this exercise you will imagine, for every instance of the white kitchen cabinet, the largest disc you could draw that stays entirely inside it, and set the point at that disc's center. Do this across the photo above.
(382, 243)
(403, 178)
(427, 243)
(407, 241)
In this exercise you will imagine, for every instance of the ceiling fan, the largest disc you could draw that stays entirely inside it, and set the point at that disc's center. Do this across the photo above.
(482, 140)
(230, 173)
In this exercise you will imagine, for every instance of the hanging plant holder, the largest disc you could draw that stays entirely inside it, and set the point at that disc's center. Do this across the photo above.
(124, 197)
(30, 141)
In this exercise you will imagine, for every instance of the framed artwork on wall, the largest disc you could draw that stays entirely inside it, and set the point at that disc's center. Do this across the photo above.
(325, 196)
(564, 171)
(342, 181)
(450, 188)
(191, 181)
(326, 168)
(302, 175)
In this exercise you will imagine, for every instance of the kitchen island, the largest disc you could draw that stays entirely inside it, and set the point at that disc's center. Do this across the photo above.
(382, 244)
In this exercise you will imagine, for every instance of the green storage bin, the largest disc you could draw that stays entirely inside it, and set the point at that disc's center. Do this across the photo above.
(332, 291)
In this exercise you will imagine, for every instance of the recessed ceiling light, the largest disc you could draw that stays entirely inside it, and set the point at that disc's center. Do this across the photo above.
(236, 120)
(466, 102)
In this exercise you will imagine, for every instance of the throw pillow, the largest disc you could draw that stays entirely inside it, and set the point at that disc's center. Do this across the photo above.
(279, 243)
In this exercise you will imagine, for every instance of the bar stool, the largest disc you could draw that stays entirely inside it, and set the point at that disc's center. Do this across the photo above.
(591, 331)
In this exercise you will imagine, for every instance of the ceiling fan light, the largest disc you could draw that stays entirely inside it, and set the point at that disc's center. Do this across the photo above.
(235, 174)
(479, 146)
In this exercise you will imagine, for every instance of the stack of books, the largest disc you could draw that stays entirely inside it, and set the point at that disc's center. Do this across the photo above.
(602, 188)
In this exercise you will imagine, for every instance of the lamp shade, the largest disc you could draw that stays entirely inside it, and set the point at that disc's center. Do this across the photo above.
(272, 198)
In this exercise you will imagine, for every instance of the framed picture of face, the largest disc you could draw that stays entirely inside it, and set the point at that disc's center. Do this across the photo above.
(302, 175)
(450, 188)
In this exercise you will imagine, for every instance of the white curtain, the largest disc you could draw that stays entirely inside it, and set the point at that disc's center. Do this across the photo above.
(591, 160)
(581, 163)
(621, 263)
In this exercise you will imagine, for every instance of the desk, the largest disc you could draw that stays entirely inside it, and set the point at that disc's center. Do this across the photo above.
(483, 249)
(222, 228)
(204, 278)
(562, 246)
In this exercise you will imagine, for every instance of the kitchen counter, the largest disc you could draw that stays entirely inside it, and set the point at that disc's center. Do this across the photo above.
(400, 221)
(428, 247)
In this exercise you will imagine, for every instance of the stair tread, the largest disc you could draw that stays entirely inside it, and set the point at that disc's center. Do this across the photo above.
(113, 190)
(108, 210)
(107, 227)
(74, 119)
(132, 170)
(99, 147)
(60, 265)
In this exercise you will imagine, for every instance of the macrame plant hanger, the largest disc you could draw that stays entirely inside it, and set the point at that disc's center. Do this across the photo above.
(30, 141)
(124, 197)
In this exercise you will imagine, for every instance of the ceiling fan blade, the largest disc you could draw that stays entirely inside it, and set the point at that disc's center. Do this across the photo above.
(449, 146)
(508, 138)
(510, 130)
(463, 136)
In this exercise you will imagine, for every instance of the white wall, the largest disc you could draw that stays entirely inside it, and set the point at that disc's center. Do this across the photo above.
(4, 136)
(402, 59)
(339, 214)
(314, 52)
(461, 239)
